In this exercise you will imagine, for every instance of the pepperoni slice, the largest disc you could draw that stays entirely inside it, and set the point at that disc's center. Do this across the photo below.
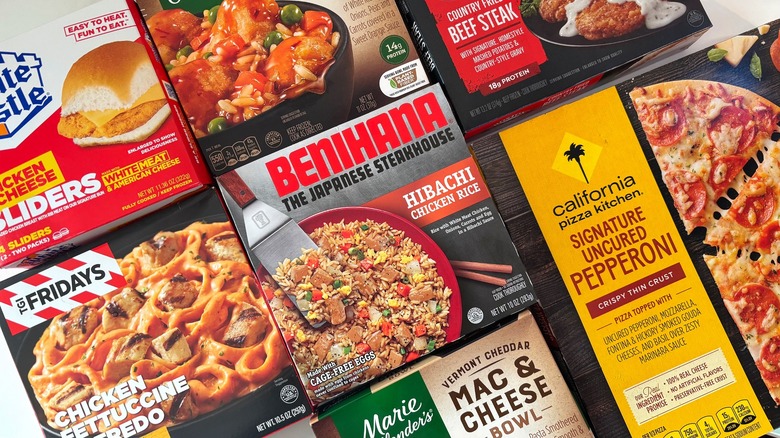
(761, 307)
(756, 207)
(664, 124)
(768, 362)
(766, 119)
(770, 234)
(724, 169)
(732, 131)
(688, 192)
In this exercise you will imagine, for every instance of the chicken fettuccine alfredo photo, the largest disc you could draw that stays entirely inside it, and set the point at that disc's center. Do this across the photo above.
(189, 333)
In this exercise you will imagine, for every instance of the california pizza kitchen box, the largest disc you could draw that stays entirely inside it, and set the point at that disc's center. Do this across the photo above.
(501, 385)
(381, 241)
(499, 59)
(336, 60)
(90, 136)
(662, 223)
(160, 326)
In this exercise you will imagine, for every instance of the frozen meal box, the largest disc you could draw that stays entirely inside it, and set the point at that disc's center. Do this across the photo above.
(379, 240)
(499, 59)
(159, 327)
(504, 384)
(663, 225)
(257, 76)
(90, 136)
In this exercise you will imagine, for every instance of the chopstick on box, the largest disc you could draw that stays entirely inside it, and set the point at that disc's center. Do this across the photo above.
(466, 269)
(476, 276)
(479, 266)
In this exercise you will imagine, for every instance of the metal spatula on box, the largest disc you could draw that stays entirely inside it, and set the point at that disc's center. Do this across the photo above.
(271, 235)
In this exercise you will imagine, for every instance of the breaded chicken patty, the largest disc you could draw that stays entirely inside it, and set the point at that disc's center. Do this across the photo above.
(608, 20)
(78, 126)
(553, 11)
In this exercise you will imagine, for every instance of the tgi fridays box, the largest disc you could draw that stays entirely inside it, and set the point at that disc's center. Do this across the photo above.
(504, 384)
(662, 223)
(336, 60)
(499, 59)
(90, 136)
(159, 326)
(380, 240)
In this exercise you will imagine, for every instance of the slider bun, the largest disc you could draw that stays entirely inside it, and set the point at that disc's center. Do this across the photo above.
(109, 77)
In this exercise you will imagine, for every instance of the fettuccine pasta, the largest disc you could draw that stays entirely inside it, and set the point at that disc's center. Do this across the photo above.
(191, 308)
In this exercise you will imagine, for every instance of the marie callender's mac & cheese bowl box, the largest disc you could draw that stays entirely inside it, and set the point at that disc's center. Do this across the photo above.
(498, 60)
(254, 77)
(159, 327)
(501, 385)
(663, 225)
(90, 135)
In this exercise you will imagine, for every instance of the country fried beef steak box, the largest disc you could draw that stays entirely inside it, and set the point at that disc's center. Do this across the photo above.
(89, 134)
(254, 77)
(380, 241)
(499, 59)
(662, 224)
(159, 326)
(503, 384)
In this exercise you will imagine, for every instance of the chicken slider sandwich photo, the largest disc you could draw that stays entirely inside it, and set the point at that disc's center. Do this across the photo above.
(112, 95)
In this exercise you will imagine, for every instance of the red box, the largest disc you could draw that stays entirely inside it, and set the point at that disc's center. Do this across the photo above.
(90, 134)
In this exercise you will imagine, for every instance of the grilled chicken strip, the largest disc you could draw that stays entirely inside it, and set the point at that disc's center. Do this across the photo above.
(172, 346)
(179, 293)
(247, 327)
(75, 326)
(71, 394)
(180, 407)
(124, 352)
(225, 246)
(159, 251)
(122, 308)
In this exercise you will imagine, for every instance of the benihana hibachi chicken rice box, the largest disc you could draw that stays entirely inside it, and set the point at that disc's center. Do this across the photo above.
(90, 136)
(380, 243)
(255, 76)
(161, 326)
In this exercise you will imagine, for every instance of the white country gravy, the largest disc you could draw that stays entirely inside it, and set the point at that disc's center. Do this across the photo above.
(657, 13)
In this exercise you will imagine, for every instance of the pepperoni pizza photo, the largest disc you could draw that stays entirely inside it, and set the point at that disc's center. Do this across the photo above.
(714, 146)
(702, 134)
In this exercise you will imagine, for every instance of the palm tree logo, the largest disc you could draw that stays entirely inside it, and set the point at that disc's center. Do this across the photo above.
(574, 153)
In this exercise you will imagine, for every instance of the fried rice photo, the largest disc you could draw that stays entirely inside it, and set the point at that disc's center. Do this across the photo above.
(376, 289)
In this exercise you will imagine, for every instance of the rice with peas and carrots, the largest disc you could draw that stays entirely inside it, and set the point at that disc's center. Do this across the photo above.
(377, 290)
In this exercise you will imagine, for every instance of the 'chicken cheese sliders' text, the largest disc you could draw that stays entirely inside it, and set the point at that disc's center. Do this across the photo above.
(112, 95)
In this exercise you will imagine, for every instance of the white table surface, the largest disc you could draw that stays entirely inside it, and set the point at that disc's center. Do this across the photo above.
(17, 420)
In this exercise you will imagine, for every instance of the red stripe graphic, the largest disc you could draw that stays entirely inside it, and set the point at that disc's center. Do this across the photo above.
(104, 250)
(84, 297)
(16, 328)
(71, 264)
(5, 296)
(48, 313)
(117, 281)
(37, 279)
